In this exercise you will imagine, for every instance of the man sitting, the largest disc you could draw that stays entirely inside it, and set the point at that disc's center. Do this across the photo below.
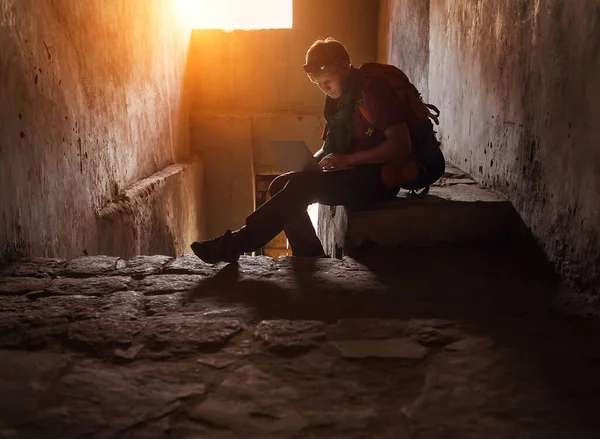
(367, 153)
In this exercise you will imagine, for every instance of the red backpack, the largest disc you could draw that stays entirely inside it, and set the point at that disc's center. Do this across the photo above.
(407, 93)
(428, 154)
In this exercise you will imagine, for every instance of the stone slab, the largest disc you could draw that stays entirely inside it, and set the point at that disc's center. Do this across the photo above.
(168, 283)
(290, 336)
(187, 264)
(93, 286)
(15, 286)
(252, 403)
(103, 401)
(143, 265)
(24, 378)
(402, 348)
(170, 335)
(452, 214)
(35, 267)
(87, 266)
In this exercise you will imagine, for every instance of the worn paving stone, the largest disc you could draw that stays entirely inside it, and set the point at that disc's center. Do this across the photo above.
(102, 401)
(349, 421)
(293, 263)
(217, 362)
(383, 385)
(25, 336)
(35, 324)
(290, 337)
(35, 267)
(165, 304)
(209, 308)
(403, 348)
(95, 286)
(114, 325)
(353, 329)
(170, 335)
(241, 348)
(143, 266)
(313, 365)
(158, 429)
(25, 379)
(481, 378)
(188, 264)
(478, 385)
(123, 305)
(11, 332)
(12, 286)
(169, 283)
(76, 307)
(327, 276)
(101, 336)
(87, 266)
(130, 353)
(218, 310)
(432, 333)
(252, 403)
(11, 304)
(257, 265)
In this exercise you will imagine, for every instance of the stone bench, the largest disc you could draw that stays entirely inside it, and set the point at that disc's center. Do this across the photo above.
(457, 210)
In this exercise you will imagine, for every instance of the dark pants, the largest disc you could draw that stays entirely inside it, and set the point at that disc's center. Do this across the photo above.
(291, 194)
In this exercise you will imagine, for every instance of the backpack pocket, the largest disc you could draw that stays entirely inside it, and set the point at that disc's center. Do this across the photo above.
(428, 155)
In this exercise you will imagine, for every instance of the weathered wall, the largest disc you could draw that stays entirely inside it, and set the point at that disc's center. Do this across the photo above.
(90, 102)
(517, 81)
(250, 88)
(404, 39)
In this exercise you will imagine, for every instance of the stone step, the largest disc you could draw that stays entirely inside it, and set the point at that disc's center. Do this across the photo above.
(457, 210)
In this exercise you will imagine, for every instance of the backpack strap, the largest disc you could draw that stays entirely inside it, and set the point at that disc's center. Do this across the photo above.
(434, 113)
(364, 111)
(366, 114)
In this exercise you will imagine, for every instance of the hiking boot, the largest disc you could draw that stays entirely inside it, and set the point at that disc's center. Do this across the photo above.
(223, 248)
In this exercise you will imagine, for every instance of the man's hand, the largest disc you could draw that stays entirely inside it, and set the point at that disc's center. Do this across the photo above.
(336, 161)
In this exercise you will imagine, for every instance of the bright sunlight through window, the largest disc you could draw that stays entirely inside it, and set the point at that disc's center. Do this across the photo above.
(236, 14)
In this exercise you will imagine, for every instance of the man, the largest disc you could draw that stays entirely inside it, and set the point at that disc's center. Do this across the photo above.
(365, 161)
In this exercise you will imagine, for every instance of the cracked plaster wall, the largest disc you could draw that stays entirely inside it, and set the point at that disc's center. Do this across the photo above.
(517, 81)
(403, 39)
(91, 101)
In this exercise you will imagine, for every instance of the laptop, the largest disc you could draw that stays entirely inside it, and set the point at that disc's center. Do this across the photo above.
(294, 155)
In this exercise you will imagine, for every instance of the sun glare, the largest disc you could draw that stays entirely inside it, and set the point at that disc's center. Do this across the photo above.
(236, 14)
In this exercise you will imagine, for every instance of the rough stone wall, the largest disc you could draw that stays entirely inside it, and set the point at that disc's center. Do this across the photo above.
(404, 39)
(517, 82)
(249, 88)
(90, 103)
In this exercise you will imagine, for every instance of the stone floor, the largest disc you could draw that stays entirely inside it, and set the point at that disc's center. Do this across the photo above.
(451, 342)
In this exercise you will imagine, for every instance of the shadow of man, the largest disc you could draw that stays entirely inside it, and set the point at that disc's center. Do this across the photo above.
(295, 288)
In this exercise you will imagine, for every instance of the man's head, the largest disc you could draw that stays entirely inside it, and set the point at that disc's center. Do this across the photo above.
(327, 64)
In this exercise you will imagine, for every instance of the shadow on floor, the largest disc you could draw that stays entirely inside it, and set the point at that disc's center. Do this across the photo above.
(502, 293)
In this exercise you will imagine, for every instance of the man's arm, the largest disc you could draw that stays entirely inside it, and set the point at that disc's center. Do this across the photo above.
(396, 148)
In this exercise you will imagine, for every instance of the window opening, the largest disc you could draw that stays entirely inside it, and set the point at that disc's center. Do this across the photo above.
(232, 15)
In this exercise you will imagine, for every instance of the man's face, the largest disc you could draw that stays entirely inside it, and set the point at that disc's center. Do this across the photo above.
(331, 84)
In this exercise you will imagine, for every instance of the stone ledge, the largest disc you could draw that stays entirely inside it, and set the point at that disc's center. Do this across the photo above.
(456, 211)
(161, 214)
(139, 192)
